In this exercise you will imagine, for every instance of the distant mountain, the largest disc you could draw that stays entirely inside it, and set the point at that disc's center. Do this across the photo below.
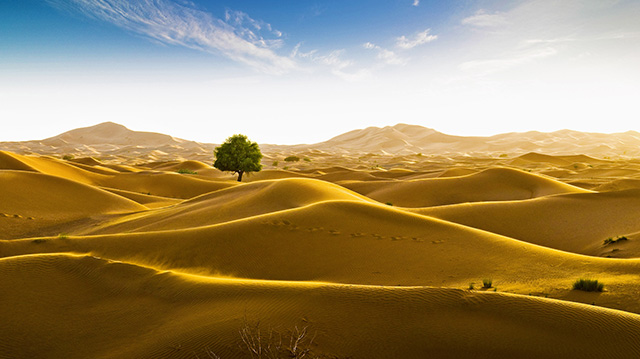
(113, 134)
(406, 139)
(116, 141)
(112, 140)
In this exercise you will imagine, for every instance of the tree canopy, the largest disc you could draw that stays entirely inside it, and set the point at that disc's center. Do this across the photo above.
(238, 154)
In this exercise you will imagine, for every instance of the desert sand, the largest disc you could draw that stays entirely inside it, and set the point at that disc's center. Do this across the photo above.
(376, 242)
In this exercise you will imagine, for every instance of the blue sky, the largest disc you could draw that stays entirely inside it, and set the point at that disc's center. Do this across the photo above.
(304, 71)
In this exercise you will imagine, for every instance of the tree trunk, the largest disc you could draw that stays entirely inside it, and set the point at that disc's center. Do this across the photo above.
(240, 176)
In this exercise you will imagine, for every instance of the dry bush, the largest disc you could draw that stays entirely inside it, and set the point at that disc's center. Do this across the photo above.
(270, 344)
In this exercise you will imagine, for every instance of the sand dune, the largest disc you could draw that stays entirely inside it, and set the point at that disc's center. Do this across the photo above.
(499, 184)
(231, 204)
(47, 165)
(576, 223)
(163, 184)
(114, 245)
(354, 242)
(36, 204)
(177, 316)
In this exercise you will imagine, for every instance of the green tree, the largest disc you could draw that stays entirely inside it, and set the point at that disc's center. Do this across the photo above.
(238, 154)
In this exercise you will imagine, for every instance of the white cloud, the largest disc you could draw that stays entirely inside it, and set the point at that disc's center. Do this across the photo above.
(419, 39)
(416, 2)
(485, 67)
(387, 56)
(239, 37)
(484, 19)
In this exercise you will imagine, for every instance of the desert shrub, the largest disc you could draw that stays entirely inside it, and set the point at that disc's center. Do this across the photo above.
(62, 236)
(588, 285)
(186, 171)
(612, 240)
(389, 204)
(270, 344)
(292, 159)
(471, 286)
(67, 157)
(275, 164)
(307, 159)
(285, 168)
(487, 283)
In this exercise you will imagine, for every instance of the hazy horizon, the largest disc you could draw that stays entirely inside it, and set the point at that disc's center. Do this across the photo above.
(303, 73)
(62, 131)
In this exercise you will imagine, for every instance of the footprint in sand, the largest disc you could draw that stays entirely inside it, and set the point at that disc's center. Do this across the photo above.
(398, 238)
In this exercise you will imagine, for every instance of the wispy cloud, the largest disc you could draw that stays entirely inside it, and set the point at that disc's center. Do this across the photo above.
(335, 62)
(486, 67)
(387, 56)
(484, 19)
(416, 2)
(418, 39)
(238, 36)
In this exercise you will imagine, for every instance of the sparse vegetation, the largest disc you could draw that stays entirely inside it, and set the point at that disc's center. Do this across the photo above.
(307, 159)
(389, 204)
(487, 283)
(292, 159)
(612, 240)
(270, 344)
(67, 157)
(471, 286)
(588, 285)
(239, 155)
(62, 236)
(275, 164)
(186, 171)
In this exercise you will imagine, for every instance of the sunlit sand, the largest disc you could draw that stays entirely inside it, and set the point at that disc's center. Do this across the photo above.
(378, 245)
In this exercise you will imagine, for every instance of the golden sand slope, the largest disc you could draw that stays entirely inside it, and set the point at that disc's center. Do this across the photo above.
(176, 316)
(230, 204)
(47, 165)
(578, 222)
(38, 204)
(499, 184)
(356, 242)
(172, 185)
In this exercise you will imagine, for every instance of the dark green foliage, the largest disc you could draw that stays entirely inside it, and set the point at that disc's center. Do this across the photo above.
(238, 154)
(292, 159)
(588, 285)
(186, 171)
(612, 240)
(486, 283)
